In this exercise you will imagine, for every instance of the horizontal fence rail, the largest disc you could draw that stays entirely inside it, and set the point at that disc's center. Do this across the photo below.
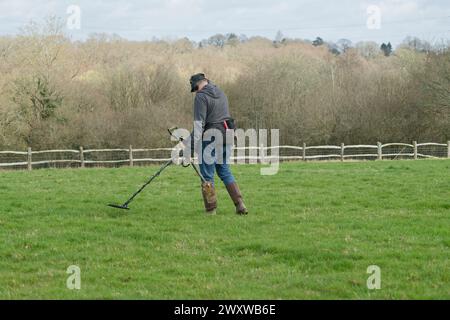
(113, 157)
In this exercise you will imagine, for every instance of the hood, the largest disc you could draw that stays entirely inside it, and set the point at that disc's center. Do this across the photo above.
(211, 90)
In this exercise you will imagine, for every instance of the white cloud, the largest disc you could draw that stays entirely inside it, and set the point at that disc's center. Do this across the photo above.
(399, 8)
(143, 19)
(184, 7)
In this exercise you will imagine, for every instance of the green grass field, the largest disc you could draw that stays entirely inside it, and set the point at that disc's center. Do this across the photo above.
(312, 231)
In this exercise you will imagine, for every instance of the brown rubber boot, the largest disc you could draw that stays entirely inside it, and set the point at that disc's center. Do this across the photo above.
(236, 196)
(209, 198)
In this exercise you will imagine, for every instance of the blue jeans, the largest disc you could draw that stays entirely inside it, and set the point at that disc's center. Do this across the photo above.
(211, 164)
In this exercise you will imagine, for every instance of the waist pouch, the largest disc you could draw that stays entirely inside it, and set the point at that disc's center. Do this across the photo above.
(223, 127)
(229, 124)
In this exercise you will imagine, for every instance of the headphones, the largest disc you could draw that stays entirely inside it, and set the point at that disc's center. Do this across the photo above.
(195, 79)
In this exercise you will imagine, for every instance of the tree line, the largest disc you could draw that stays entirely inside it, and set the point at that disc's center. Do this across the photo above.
(110, 92)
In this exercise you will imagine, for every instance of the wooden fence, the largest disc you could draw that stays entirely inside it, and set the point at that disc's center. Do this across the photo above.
(106, 157)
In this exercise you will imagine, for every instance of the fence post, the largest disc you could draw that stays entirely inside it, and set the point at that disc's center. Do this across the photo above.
(261, 153)
(304, 152)
(415, 149)
(342, 151)
(380, 151)
(29, 159)
(82, 156)
(448, 149)
(131, 155)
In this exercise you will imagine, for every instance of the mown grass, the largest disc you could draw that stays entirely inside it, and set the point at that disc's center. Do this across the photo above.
(313, 230)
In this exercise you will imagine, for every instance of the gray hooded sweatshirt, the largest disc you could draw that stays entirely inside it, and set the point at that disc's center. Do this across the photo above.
(210, 111)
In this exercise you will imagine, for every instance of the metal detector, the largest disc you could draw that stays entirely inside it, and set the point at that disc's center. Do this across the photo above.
(124, 206)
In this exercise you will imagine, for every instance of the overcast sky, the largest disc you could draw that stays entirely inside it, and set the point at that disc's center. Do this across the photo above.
(199, 19)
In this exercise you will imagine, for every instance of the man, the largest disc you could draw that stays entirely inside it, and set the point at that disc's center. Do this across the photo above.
(211, 115)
